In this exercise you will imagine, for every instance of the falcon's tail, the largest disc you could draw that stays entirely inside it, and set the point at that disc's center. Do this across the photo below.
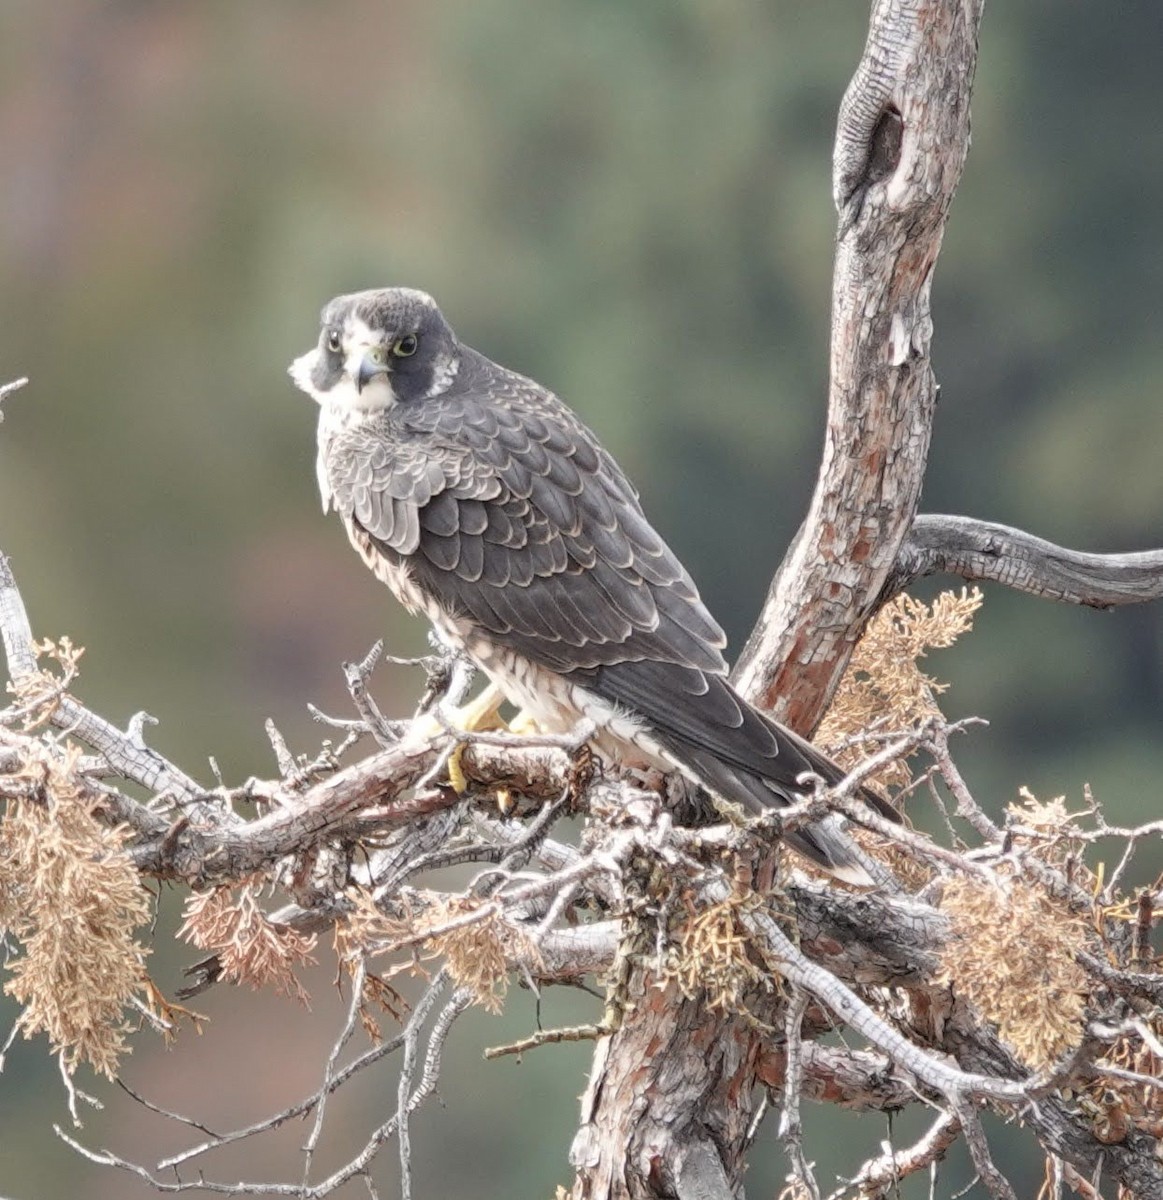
(735, 750)
(824, 842)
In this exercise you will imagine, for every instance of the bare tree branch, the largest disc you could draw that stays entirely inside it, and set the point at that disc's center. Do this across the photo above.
(880, 1177)
(375, 795)
(857, 1079)
(720, 967)
(994, 1181)
(982, 550)
(791, 1132)
(7, 389)
(901, 141)
(125, 754)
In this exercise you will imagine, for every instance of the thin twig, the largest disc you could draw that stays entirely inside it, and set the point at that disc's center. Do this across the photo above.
(367, 1059)
(358, 979)
(106, 1158)
(880, 1177)
(359, 1164)
(791, 1132)
(548, 1037)
(356, 676)
(994, 1181)
(967, 806)
(7, 389)
(74, 1093)
(130, 756)
(165, 1112)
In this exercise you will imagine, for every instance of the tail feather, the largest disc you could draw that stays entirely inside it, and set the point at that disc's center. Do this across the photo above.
(736, 751)
(824, 842)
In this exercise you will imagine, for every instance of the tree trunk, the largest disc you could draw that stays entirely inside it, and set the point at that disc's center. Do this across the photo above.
(669, 1100)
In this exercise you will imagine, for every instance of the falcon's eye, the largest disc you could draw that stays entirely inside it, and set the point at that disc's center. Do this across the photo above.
(334, 341)
(405, 347)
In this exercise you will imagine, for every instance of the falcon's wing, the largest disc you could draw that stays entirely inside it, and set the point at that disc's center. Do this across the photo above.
(736, 749)
(509, 513)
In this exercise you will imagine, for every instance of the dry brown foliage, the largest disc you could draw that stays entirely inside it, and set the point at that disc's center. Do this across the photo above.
(476, 952)
(74, 901)
(1012, 956)
(1119, 1104)
(354, 938)
(478, 955)
(713, 958)
(1057, 831)
(250, 947)
(884, 686)
(72, 897)
(39, 692)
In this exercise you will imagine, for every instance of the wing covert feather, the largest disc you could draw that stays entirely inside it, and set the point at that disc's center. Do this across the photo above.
(508, 512)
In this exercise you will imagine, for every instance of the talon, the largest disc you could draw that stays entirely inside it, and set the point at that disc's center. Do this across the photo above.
(476, 715)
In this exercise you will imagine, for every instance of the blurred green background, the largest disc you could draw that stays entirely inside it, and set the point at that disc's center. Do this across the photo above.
(630, 202)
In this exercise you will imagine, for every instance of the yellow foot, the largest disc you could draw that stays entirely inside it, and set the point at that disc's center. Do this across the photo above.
(456, 775)
(479, 714)
(524, 723)
(482, 713)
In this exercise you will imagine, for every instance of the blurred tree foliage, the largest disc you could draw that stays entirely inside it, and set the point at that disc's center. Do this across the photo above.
(627, 200)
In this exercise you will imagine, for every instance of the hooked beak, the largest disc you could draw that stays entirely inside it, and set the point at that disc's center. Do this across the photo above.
(371, 365)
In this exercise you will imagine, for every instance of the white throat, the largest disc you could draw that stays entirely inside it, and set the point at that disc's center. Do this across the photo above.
(343, 395)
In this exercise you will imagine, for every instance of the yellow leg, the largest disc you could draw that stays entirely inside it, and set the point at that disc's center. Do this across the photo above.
(480, 713)
(477, 714)
(524, 723)
(456, 775)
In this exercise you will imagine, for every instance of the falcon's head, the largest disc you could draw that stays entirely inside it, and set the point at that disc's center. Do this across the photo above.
(379, 348)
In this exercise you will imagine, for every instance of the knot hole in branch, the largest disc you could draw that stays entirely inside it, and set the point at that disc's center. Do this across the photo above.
(859, 171)
(884, 146)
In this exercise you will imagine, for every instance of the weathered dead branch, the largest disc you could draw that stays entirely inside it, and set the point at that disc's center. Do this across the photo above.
(983, 550)
(516, 919)
(901, 141)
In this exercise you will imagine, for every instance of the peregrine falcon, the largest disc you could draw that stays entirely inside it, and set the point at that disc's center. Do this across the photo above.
(484, 503)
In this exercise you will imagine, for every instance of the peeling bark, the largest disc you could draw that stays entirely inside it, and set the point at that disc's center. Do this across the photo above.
(917, 69)
(670, 1100)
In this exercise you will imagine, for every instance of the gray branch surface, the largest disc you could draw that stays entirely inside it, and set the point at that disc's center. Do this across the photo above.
(902, 139)
(844, 943)
(939, 543)
(126, 754)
